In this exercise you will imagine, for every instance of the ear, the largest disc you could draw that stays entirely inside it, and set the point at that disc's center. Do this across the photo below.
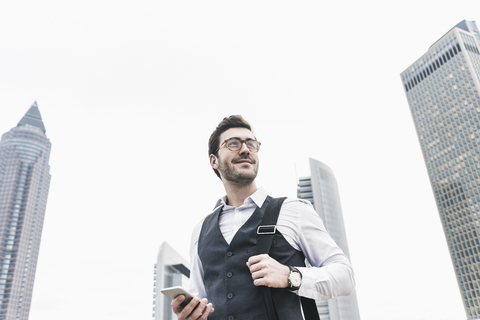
(213, 161)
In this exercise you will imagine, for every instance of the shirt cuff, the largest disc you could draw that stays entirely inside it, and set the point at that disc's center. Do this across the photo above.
(308, 282)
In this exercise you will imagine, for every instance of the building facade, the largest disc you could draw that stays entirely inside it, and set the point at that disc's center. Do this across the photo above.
(170, 270)
(322, 191)
(24, 184)
(442, 89)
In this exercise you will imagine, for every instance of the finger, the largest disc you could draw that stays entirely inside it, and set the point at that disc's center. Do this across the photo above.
(177, 302)
(255, 259)
(258, 262)
(260, 282)
(207, 311)
(187, 310)
(258, 274)
(198, 312)
(256, 267)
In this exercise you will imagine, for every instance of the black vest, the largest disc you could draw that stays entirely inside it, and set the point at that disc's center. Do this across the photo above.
(227, 279)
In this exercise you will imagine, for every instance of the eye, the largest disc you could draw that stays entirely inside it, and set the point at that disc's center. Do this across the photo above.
(234, 143)
(252, 144)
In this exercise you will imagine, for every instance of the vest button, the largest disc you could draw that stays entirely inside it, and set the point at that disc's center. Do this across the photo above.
(230, 318)
(230, 295)
(229, 253)
(229, 274)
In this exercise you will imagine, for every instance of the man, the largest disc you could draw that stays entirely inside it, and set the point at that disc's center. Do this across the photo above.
(225, 270)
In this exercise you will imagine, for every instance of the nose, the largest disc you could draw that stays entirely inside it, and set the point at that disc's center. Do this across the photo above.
(243, 148)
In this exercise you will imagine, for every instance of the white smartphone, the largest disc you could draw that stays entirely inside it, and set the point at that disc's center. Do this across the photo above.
(174, 292)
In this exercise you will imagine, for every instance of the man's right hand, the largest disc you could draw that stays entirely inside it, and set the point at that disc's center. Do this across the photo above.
(189, 311)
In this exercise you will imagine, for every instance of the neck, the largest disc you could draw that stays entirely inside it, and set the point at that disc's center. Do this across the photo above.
(236, 194)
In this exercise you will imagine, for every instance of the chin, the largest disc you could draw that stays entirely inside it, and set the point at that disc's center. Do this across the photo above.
(247, 176)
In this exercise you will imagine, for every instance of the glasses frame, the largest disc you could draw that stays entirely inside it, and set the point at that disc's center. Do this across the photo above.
(225, 142)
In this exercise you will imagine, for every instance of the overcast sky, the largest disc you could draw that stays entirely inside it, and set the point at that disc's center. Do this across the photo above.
(130, 91)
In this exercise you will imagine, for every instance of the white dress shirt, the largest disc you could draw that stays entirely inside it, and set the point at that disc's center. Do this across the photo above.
(330, 274)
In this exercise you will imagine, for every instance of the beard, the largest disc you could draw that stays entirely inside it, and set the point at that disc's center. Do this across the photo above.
(230, 171)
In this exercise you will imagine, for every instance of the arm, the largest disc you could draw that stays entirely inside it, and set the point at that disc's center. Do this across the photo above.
(196, 287)
(330, 275)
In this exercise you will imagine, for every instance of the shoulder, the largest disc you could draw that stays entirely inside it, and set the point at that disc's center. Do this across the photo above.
(299, 206)
(297, 202)
(197, 229)
(299, 211)
(199, 226)
(297, 217)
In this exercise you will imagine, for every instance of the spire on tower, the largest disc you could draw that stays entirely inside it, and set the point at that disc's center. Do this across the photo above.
(33, 118)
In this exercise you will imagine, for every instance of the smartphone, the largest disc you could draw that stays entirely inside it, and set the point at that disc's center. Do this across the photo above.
(174, 292)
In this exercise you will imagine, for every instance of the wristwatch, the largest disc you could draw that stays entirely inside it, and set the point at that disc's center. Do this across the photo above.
(294, 279)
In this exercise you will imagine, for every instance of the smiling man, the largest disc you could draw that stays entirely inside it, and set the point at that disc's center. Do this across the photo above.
(227, 273)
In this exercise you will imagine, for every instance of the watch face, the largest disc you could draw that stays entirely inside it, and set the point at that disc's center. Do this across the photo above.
(295, 279)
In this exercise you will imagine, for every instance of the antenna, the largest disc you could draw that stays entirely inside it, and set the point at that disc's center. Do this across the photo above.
(295, 169)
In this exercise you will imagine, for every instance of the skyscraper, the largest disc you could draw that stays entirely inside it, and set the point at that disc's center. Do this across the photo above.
(24, 183)
(442, 89)
(322, 191)
(171, 270)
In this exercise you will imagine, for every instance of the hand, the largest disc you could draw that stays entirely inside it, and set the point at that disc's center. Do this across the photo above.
(267, 271)
(189, 311)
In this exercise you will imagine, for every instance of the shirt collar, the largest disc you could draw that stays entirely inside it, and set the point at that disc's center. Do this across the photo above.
(258, 197)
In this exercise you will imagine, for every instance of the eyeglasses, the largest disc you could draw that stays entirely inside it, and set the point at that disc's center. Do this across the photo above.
(235, 144)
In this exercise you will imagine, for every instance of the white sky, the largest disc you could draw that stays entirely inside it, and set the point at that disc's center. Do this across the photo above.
(130, 91)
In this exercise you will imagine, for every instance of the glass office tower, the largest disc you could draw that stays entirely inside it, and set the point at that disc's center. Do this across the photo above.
(322, 191)
(24, 183)
(442, 89)
(170, 270)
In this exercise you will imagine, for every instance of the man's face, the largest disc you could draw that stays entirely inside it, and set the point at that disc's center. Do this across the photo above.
(241, 166)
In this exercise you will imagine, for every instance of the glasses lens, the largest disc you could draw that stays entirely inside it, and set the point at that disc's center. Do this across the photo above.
(234, 144)
(252, 145)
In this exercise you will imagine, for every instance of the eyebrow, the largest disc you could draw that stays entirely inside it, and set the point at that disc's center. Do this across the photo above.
(255, 138)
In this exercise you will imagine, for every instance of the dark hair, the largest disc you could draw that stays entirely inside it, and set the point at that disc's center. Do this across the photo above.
(235, 121)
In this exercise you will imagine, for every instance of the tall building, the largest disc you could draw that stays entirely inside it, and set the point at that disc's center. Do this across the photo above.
(24, 183)
(170, 270)
(322, 191)
(442, 89)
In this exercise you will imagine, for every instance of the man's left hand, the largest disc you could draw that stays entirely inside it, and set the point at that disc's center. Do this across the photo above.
(267, 271)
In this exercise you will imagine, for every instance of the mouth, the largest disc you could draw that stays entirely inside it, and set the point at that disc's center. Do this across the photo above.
(249, 161)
